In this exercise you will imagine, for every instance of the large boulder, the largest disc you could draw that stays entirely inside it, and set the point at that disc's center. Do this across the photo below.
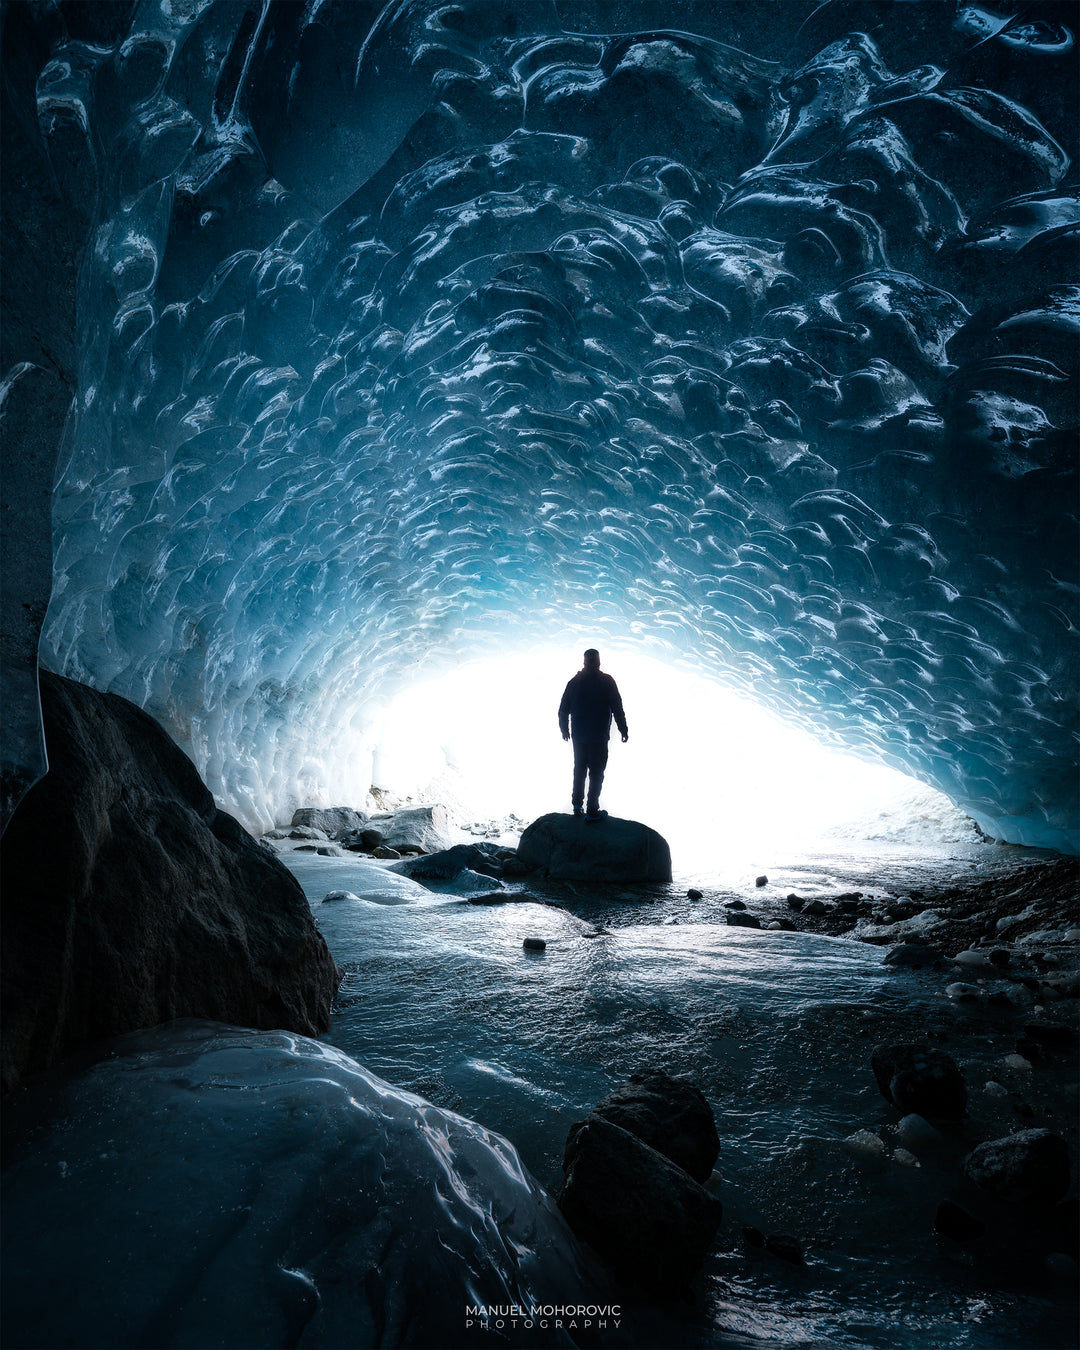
(447, 863)
(670, 1115)
(647, 1219)
(332, 820)
(426, 827)
(572, 848)
(129, 899)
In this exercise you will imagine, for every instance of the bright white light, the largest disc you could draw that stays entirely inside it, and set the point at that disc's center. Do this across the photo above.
(715, 773)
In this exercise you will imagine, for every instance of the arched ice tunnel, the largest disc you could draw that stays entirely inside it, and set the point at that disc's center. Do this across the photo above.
(343, 340)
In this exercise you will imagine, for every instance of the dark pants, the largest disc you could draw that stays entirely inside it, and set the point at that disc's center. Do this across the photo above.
(590, 757)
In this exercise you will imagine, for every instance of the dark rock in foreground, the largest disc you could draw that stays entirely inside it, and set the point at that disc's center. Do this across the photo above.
(572, 848)
(645, 1217)
(1030, 1167)
(129, 899)
(920, 1079)
(670, 1115)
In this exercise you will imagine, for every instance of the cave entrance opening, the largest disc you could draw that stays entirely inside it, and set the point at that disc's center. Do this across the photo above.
(718, 774)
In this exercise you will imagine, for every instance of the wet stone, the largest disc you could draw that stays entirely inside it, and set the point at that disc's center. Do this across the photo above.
(1025, 1168)
(786, 1247)
(920, 1079)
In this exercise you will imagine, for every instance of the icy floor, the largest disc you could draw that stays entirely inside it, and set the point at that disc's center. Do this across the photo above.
(776, 1028)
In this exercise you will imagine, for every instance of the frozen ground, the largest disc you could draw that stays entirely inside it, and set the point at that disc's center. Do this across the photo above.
(775, 1027)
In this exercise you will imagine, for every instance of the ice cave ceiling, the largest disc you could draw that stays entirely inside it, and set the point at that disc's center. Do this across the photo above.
(740, 330)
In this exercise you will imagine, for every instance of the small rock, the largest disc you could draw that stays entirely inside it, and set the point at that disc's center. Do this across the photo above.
(370, 839)
(534, 944)
(954, 1222)
(815, 907)
(1030, 1167)
(795, 902)
(911, 954)
(1017, 1062)
(754, 1237)
(960, 992)
(309, 832)
(737, 920)
(866, 1143)
(920, 1079)
(999, 957)
(383, 852)
(905, 1159)
(332, 896)
(761, 880)
(734, 904)
(329, 851)
(916, 1132)
(971, 959)
(785, 1247)
(693, 893)
(1051, 1033)
(775, 926)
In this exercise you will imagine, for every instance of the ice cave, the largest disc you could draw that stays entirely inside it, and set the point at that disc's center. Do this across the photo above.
(351, 346)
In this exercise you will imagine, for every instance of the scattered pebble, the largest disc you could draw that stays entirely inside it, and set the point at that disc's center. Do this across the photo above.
(995, 1089)
(693, 893)
(534, 944)
(905, 1159)
(1017, 1062)
(762, 880)
(961, 992)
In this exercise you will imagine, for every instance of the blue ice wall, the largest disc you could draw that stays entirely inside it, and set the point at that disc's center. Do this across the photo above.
(412, 333)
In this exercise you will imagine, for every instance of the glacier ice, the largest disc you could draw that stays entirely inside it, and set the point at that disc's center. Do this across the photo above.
(204, 1185)
(439, 331)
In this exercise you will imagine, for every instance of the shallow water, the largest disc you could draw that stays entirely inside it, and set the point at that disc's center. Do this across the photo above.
(775, 1028)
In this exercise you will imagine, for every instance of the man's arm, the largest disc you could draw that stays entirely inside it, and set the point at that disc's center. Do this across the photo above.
(617, 710)
(564, 713)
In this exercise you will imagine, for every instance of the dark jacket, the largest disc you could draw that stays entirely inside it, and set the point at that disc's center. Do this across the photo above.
(588, 704)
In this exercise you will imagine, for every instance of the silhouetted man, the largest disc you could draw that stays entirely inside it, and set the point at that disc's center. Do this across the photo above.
(588, 704)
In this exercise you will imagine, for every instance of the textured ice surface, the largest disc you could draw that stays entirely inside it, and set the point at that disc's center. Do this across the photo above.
(466, 331)
(210, 1186)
